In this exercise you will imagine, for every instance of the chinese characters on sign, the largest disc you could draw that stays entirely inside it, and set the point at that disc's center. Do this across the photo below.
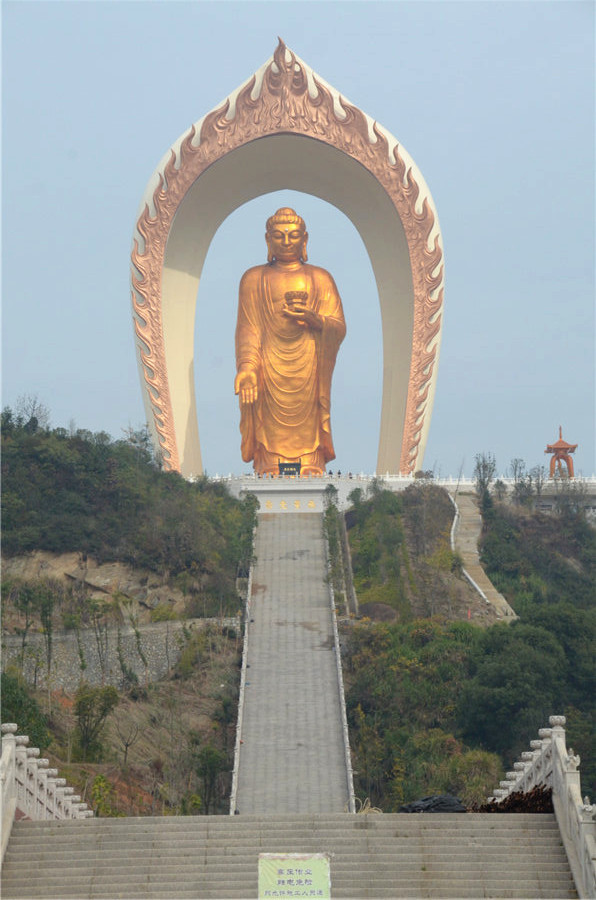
(294, 875)
(284, 505)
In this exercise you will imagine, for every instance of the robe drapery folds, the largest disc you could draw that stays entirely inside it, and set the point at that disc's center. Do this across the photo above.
(294, 365)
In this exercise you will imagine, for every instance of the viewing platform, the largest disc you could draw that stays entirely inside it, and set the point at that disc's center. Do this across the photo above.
(306, 494)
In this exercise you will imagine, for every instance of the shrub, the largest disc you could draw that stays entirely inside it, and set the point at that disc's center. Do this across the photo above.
(18, 705)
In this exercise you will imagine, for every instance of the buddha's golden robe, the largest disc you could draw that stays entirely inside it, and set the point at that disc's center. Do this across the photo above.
(294, 363)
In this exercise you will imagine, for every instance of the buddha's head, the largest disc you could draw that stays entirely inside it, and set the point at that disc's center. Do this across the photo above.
(286, 236)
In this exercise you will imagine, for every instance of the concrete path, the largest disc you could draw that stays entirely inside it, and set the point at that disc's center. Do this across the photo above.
(467, 535)
(292, 757)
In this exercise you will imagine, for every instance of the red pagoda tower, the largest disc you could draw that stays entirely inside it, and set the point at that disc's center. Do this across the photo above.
(561, 453)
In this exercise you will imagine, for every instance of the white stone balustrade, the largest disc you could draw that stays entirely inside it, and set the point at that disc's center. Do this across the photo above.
(328, 478)
(274, 488)
(550, 764)
(30, 785)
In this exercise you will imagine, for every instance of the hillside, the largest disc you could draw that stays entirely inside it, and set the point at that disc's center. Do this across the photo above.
(546, 567)
(111, 501)
(402, 561)
(94, 535)
(162, 748)
(438, 705)
(439, 698)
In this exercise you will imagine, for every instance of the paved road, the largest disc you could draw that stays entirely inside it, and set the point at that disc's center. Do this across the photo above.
(292, 758)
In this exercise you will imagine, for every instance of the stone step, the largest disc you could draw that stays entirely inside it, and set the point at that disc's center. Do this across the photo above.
(319, 821)
(420, 875)
(359, 860)
(345, 852)
(23, 836)
(338, 876)
(250, 835)
(549, 861)
(362, 892)
(211, 858)
(172, 854)
(111, 880)
(395, 848)
(392, 824)
(357, 891)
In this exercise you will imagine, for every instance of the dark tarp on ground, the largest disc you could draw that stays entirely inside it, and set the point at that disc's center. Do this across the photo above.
(438, 803)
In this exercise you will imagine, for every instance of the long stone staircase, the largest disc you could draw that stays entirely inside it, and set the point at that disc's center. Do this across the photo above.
(292, 785)
(291, 756)
(381, 856)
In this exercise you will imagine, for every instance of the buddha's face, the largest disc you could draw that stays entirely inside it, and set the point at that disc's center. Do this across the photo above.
(286, 242)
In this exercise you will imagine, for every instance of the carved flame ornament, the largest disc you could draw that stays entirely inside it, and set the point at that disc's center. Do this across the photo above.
(286, 97)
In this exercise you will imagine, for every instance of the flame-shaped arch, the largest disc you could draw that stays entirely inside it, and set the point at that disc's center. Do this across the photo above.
(286, 99)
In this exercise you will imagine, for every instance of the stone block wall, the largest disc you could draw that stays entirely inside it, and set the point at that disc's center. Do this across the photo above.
(110, 656)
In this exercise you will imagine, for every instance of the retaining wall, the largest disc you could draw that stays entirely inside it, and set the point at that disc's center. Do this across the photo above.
(111, 656)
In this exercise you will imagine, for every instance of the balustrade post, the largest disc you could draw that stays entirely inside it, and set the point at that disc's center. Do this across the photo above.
(8, 787)
(67, 793)
(51, 793)
(75, 803)
(545, 735)
(527, 759)
(21, 770)
(59, 797)
(42, 789)
(587, 830)
(7, 774)
(31, 782)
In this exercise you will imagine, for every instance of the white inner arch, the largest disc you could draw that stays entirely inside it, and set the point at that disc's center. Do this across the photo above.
(335, 244)
(300, 163)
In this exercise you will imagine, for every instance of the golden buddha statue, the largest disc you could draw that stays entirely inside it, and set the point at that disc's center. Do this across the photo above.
(290, 325)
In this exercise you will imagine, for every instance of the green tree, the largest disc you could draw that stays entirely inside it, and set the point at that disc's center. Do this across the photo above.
(19, 706)
(570, 498)
(370, 750)
(47, 593)
(92, 707)
(485, 467)
(102, 795)
(32, 412)
(469, 773)
(403, 681)
(22, 595)
(517, 673)
(210, 762)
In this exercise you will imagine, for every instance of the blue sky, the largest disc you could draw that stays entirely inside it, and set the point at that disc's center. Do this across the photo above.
(494, 101)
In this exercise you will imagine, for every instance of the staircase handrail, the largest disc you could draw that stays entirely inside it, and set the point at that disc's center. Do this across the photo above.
(347, 562)
(242, 689)
(30, 785)
(453, 532)
(550, 764)
(351, 804)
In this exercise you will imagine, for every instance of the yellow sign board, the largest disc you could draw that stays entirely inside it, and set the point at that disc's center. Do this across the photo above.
(294, 875)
